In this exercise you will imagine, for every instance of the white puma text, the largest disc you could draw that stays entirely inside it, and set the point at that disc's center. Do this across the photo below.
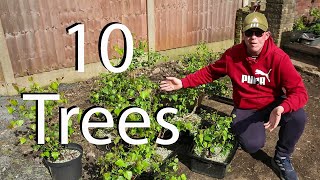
(253, 80)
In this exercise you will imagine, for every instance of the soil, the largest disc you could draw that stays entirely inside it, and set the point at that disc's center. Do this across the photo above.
(219, 157)
(244, 166)
(67, 155)
(163, 152)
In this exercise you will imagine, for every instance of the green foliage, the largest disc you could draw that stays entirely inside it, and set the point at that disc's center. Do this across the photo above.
(170, 171)
(26, 116)
(219, 87)
(125, 164)
(315, 29)
(184, 100)
(116, 93)
(215, 138)
(299, 25)
(119, 91)
(200, 58)
(186, 124)
(141, 58)
(128, 163)
(315, 12)
(309, 23)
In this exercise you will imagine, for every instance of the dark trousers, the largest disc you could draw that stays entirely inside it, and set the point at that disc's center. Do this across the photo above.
(250, 132)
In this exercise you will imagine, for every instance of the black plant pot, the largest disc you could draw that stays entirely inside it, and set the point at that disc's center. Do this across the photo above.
(70, 170)
(145, 176)
(211, 168)
(153, 175)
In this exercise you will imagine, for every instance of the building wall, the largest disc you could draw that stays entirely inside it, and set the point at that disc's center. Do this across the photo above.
(303, 6)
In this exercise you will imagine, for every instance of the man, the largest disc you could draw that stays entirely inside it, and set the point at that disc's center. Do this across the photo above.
(261, 74)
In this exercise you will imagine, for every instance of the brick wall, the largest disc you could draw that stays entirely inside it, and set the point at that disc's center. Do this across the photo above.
(303, 6)
(280, 15)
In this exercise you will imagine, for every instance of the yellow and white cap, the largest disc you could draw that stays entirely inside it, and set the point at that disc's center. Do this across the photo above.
(255, 20)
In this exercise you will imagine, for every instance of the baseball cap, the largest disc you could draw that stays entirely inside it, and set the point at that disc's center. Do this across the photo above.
(255, 20)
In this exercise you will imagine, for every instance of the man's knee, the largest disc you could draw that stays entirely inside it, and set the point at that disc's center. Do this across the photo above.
(252, 146)
(298, 117)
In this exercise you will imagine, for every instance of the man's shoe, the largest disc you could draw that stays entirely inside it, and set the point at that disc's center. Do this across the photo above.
(284, 167)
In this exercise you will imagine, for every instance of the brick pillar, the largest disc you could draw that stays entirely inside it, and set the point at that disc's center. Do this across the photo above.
(280, 15)
(240, 15)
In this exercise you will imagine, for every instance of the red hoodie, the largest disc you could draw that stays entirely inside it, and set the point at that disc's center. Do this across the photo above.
(256, 82)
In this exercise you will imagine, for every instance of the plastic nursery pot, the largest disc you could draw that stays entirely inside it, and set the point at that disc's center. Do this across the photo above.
(211, 168)
(153, 175)
(70, 170)
(145, 176)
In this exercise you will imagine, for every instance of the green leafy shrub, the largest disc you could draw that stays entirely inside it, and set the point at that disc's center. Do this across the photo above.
(26, 117)
(219, 87)
(299, 25)
(141, 58)
(315, 29)
(199, 59)
(119, 91)
(131, 163)
(185, 100)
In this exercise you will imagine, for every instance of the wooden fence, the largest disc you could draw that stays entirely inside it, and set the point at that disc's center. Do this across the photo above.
(34, 40)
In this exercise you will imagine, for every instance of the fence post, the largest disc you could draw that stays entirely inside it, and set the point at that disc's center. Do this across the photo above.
(6, 72)
(151, 26)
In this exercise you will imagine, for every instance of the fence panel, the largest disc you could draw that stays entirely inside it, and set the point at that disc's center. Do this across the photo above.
(35, 30)
(182, 23)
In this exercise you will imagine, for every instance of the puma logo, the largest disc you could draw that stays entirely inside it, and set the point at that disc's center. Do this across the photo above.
(259, 72)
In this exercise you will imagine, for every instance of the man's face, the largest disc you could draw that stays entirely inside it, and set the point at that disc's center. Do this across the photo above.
(254, 39)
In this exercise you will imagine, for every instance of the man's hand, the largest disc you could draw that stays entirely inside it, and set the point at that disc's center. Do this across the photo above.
(274, 118)
(171, 84)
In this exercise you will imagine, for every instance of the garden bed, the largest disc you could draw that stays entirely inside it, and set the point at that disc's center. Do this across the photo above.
(116, 92)
(304, 157)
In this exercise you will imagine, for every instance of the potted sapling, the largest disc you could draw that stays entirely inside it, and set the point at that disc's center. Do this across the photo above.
(62, 161)
(214, 147)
